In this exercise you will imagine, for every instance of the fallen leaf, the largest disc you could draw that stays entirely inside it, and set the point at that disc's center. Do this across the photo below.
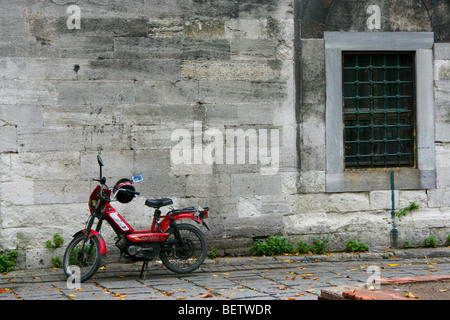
(181, 290)
(72, 295)
(290, 299)
(282, 288)
(299, 294)
(410, 295)
(311, 290)
(442, 290)
(206, 296)
(2, 290)
(168, 294)
(392, 265)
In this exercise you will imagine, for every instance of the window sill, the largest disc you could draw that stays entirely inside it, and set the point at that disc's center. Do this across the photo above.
(380, 179)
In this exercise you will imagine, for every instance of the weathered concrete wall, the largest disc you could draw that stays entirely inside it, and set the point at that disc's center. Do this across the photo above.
(120, 85)
(136, 71)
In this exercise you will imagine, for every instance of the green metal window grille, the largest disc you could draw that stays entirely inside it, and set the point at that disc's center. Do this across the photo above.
(378, 110)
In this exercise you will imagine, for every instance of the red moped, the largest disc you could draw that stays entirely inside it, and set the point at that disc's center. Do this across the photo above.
(182, 247)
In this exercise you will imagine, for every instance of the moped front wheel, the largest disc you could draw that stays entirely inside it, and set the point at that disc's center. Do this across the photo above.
(185, 251)
(82, 262)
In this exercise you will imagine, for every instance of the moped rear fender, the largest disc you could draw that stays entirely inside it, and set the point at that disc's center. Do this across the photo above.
(99, 237)
(177, 216)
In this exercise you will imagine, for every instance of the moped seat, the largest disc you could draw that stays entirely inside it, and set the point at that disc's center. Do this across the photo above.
(158, 203)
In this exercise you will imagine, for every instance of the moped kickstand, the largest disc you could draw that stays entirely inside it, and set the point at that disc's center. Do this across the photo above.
(144, 269)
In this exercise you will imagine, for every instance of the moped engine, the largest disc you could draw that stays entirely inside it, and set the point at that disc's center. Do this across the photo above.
(146, 250)
(142, 250)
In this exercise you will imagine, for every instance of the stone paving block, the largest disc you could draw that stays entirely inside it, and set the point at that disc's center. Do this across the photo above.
(7, 294)
(240, 293)
(38, 292)
(138, 296)
(188, 292)
(119, 284)
(213, 281)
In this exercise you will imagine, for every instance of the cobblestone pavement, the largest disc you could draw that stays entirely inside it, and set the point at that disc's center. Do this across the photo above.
(244, 278)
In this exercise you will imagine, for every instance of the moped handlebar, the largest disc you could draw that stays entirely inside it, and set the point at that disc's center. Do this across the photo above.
(102, 180)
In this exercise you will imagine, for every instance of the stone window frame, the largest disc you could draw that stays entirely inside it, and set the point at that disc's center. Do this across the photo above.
(421, 177)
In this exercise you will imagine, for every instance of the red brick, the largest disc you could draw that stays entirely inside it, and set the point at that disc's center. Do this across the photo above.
(414, 279)
(373, 295)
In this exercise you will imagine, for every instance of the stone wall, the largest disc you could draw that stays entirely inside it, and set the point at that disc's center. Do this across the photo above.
(136, 71)
(365, 216)
(119, 86)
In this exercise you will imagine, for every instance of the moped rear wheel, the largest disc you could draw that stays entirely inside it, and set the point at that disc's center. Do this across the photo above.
(186, 254)
(82, 263)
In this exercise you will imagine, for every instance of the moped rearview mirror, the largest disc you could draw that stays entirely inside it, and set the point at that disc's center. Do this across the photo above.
(137, 178)
(100, 161)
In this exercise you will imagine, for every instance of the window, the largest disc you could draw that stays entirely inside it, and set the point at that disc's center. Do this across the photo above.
(378, 93)
(379, 110)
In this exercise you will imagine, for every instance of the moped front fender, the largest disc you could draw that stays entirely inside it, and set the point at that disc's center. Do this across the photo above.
(99, 237)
